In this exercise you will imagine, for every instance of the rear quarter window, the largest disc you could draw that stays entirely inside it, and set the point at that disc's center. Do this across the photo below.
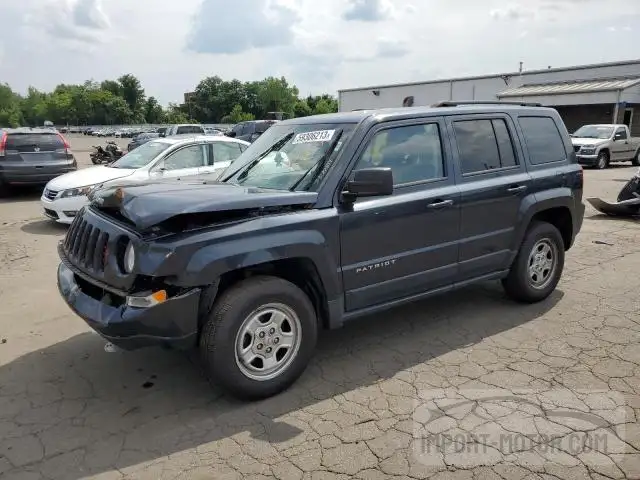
(43, 141)
(543, 140)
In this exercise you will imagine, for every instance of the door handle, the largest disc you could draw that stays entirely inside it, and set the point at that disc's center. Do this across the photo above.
(517, 189)
(440, 204)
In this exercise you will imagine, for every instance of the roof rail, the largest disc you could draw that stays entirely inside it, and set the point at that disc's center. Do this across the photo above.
(489, 102)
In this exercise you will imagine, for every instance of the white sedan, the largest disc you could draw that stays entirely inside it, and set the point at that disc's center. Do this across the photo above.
(169, 157)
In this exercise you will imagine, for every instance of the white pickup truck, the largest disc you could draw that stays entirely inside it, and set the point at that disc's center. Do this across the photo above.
(598, 145)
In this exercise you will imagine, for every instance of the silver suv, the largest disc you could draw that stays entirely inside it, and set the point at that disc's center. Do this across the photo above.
(182, 129)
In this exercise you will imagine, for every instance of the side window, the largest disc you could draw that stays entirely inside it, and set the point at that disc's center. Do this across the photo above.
(414, 153)
(237, 129)
(544, 143)
(247, 128)
(505, 144)
(621, 133)
(192, 156)
(224, 152)
(477, 145)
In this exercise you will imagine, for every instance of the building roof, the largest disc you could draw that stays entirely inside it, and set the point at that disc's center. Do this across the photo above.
(497, 75)
(563, 88)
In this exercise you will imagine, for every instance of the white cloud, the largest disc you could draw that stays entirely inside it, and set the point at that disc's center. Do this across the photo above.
(171, 46)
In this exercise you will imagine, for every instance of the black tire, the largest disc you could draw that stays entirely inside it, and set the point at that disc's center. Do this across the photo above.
(635, 161)
(518, 284)
(603, 160)
(218, 337)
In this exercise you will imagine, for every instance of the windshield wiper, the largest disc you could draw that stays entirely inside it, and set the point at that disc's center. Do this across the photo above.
(321, 162)
(276, 146)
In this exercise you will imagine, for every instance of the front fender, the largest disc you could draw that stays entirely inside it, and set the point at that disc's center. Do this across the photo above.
(213, 260)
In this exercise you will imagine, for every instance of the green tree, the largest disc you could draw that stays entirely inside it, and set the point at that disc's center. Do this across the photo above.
(34, 107)
(10, 111)
(302, 109)
(153, 111)
(174, 114)
(330, 103)
(60, 106)
(112, 86)
(276, 95)
(133, 94)
(323, 106)
(237, 115)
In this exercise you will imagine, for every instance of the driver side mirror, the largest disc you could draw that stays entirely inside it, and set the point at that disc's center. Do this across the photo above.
(231, 134)
(369, 182)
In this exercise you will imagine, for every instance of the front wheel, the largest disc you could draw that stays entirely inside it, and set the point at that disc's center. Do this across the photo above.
(259, 337)
(635, 161)
(603, 160)
(537, 268)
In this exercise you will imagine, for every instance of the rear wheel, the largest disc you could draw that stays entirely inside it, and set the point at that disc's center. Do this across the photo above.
(537, 269)
(635, 161)
(603, 160)
(259, 337)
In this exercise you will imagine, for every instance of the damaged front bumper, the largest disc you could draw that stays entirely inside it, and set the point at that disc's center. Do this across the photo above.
(172, 323)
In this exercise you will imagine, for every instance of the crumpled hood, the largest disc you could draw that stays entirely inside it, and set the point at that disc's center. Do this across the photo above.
(154, 202)
(591, 142)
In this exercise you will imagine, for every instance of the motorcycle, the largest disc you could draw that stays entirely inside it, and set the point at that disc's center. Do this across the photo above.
(110, 153)
(628, 202)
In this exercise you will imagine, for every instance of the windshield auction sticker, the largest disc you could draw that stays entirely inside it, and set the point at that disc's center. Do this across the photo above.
(317, 136)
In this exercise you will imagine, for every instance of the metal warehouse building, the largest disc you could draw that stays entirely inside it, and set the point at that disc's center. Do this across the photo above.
(599, 93)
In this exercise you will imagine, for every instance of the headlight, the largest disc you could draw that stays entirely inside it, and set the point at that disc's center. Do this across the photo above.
(76, 192)
(129, 258)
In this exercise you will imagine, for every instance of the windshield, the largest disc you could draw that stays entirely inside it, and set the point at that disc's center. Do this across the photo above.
(594, 131)
(141, 156)
(289, 157)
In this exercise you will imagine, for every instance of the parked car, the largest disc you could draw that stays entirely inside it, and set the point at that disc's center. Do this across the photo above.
(212, 131)
(33, 156)
(159, 158)
(354, 213)
(250, 130)
(141, 139)
(599, 145)
(184, 129)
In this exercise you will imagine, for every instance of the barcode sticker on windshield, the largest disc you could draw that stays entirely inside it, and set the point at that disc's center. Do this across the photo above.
(317, 136)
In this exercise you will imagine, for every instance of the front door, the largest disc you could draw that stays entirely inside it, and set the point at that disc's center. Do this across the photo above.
(493, 182)
(621, 148)
(404, 244)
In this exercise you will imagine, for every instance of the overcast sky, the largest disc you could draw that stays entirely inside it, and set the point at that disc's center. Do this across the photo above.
(320, 45)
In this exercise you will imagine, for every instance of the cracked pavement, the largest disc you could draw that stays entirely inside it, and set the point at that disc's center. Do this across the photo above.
(466, 386)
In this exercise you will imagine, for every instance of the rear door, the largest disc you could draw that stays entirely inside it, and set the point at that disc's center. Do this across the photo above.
(221, 154)
(36, 154)
(183, 162)
(493, 183)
